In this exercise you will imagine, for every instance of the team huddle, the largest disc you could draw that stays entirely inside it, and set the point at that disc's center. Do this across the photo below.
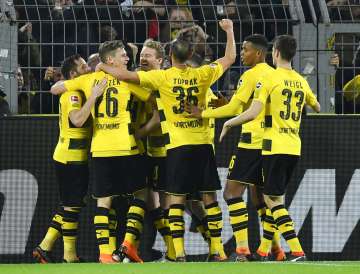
(155, 127)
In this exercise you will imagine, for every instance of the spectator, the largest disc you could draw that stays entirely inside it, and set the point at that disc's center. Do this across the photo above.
(344, 10)
(28, 55)
(23, 97)
(181, 23)
(4, 105)
(179, 18)
(153, 12)
(108, 33)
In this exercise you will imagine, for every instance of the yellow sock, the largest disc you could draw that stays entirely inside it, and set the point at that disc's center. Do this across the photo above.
(177, 228)
(112, 230)
(215, 224)
(170, 249)
(239, 222)
(69, 228)
(134, 224)
(287, 229)
(161, 223)
(101, 222)
(53, 233)
(268, 233)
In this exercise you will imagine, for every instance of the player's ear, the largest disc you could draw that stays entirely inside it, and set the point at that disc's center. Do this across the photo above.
(109, 60)
(73, 74)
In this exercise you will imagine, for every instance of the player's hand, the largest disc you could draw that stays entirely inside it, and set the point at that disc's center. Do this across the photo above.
(219, 102)
(226, 25)
(224, 131)
(193, 111)
(99, 89)
(27, 27)
(334, 60)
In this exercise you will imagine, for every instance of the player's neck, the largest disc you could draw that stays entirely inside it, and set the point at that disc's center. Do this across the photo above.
(179, 66)
(284, 64)
(257, 63)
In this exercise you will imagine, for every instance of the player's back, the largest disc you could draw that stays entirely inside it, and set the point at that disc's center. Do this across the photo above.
(176, 87)
(288, 92)
(73, 144)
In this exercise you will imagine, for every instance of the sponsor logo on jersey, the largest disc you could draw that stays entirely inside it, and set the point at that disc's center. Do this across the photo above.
(74, 99)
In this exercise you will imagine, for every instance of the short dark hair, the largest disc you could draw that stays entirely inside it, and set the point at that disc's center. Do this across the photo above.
(181, 50)
(259, 41)
(286, 45)
(107, 48)
(69, 65)
(155, 45)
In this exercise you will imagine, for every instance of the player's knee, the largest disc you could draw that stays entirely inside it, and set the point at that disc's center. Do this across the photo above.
(141, 194)
(104, 202)
(233, 190)
(272, 201)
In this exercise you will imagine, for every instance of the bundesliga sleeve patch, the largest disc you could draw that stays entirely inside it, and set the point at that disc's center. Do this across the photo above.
(74, 99)
(213, 65)
(239, 83)
(258, 85)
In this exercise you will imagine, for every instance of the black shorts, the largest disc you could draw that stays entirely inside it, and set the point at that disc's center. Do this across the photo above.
(191, 169)
(277, 170)
(73, 180)
(245, 167)
(118, 175)
(156, 173)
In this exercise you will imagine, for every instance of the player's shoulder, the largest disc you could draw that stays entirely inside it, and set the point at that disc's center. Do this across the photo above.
(206, 67)
(92, 75)
(356, 78)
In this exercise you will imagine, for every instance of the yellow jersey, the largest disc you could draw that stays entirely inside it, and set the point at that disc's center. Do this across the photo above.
(156, 141)
(138, 118)
(284, 95)
(352, 89)
(251, 132)
(211, 121)
(113, 132)
(73, 144)
(176, 86)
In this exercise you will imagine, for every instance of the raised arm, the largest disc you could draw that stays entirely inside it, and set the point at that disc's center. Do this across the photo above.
(230, 51)
(79, 117)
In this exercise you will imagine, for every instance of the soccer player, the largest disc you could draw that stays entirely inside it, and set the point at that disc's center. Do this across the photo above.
(190, 161)
(118, 167)
(283, 95)
(70, 159)
(151, 58)
(245, 164)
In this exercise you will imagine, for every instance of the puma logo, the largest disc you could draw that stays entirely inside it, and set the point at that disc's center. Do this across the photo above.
(133, 223)
(214, 224)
